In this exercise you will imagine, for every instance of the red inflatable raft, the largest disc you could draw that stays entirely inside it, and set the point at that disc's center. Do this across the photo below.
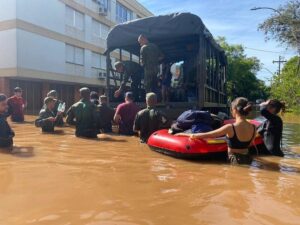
(184, 147)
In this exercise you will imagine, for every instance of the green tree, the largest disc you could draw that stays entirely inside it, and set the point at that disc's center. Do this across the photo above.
(286, 85)
(284, 26)
(241, 73)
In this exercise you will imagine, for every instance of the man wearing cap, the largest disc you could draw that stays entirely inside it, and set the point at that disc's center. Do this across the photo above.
(94, 98)
(47, 119)
(83, 116)
(150, 59)
(149, 120)
(130, 70)
(105, 115)
(16, 105)
(125, 114)
(6, 133)
(60, 119)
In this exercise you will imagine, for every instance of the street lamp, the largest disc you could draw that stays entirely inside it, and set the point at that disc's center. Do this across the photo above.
(294, 33)
(258, 8)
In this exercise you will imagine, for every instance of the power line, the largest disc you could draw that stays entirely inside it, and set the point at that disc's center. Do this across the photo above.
(263, 50)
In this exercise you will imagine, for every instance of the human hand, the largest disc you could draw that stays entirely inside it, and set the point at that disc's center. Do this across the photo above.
(193, 137)
(265, 103)
(51, 119)
(117, 93)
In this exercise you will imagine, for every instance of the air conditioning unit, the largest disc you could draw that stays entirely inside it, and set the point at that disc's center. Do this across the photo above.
(102, 75)
(102, 11)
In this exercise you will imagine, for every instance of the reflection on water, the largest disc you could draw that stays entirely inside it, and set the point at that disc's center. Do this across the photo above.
(291, 135)
(291, 145)
(117, 180)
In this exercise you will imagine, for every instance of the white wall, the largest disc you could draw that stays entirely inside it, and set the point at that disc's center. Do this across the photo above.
(49, 14)
(87, 63)
(7, 9)
(22, 49)
(48, 55)
(8, 51)
(40, 53)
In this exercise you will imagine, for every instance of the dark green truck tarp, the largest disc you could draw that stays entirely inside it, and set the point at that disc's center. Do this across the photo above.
(166, 30)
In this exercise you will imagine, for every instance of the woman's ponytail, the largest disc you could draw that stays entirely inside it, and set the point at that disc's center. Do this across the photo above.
(242, 105)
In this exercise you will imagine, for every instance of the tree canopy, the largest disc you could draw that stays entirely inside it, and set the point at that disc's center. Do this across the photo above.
(241, 73)
(284, 26)
(286, 85)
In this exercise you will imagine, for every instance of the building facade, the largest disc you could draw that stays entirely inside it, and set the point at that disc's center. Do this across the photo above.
(58, 44)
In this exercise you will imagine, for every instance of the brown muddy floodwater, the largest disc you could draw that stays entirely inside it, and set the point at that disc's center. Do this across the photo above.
(60, 179)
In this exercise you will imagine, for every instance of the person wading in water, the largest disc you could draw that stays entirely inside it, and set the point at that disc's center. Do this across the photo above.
(239, 135)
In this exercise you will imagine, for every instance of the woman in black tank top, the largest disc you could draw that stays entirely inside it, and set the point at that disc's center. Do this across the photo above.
(239, 135)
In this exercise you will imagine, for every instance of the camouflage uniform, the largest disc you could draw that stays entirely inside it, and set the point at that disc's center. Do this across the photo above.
(83, 115)
(148, 121)
(150, 55)
(134, 71)
(105, 116)
(60, 119)
(46, 125)
(6, 133)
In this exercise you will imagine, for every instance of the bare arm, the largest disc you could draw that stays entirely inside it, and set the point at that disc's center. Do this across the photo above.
(124, 82)
(117, 118)
(71, 117)
(142, 55)
(212, 134)
(265, 112)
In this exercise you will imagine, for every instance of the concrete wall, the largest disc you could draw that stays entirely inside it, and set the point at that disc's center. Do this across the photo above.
(7, 10)
(8, 49)
(41, 44)
(45, 54)
(47, 14)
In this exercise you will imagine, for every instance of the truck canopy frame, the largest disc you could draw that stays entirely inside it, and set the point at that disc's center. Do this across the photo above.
(181, 37)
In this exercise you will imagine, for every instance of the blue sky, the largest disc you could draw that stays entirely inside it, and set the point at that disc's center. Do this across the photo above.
(234, 20)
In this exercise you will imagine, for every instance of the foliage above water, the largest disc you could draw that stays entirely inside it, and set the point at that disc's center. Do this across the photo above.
(284, 26)
(241, 73)
(286, 85)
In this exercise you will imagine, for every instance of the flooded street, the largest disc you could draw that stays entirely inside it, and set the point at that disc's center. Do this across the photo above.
(59, 179)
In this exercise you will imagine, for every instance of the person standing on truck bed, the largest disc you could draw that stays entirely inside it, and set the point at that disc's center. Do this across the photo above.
(150, 59)
(130, 70)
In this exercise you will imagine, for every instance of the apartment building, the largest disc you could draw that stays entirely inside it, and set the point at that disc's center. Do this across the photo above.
(58, 44)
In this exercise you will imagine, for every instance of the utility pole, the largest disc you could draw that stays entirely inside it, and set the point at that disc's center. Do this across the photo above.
(280, 61)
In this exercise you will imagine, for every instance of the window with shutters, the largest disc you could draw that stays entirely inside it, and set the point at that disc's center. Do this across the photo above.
(74, 55)
(74, 18)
